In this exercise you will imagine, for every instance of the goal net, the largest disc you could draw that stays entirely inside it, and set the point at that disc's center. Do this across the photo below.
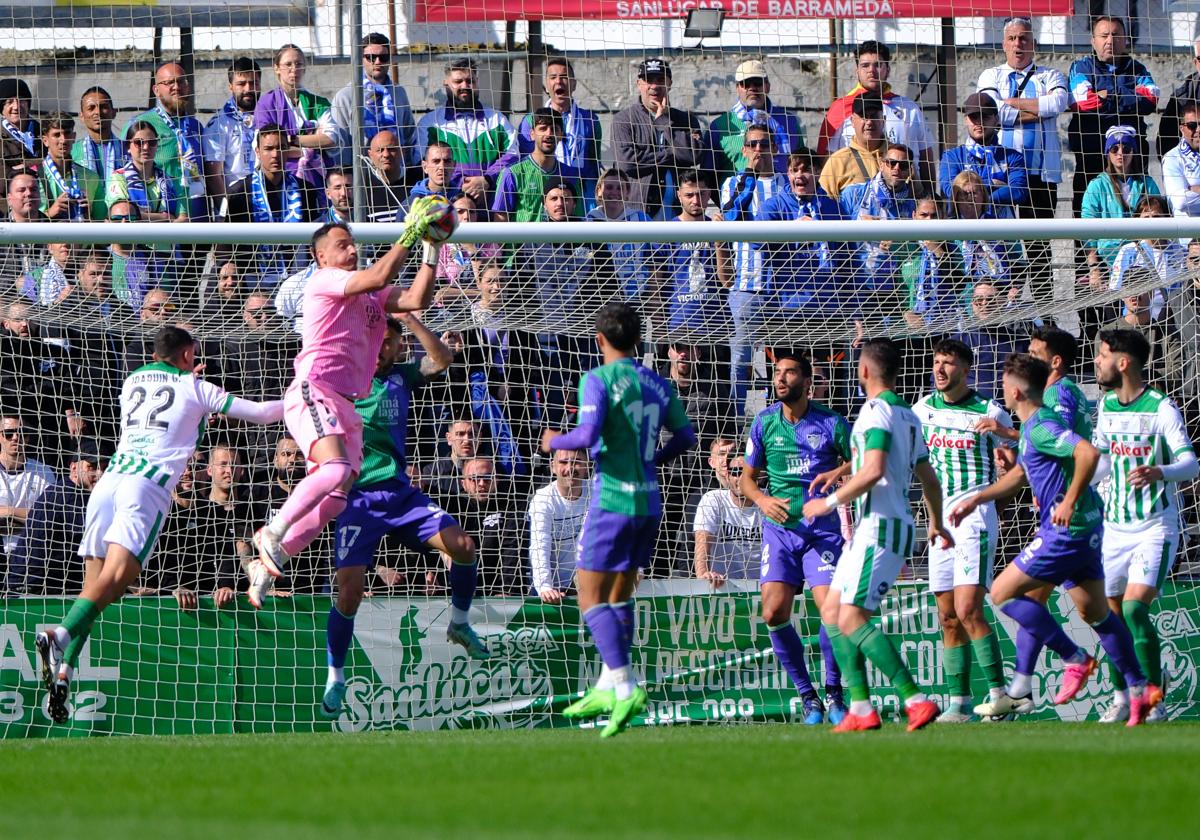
(789, 190)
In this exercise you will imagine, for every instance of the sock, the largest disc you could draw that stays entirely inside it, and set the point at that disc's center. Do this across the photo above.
(624, 613)
(62, 637)
(306, 529)
(336, 675)
(462, 590)
(957, 662)
(339, 631)
(991, 661)
(605, 680)
(623, 682)
(78, 625)
(315, 486)
(858, 708)
(785, 641)
(1118, 678)
(605, 628)
(1021, 685)
(1035, 618)
(878, 648)
(833, 674)
(852, 664)
(1121, 695)
(1029, 650)
(1117, 642)
(1145, 639)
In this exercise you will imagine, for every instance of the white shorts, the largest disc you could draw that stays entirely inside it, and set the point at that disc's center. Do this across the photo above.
(1140, 552)
(872, 560)
(970, 561)
(127, 510)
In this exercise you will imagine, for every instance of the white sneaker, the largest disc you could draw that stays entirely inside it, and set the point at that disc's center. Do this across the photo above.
(270, 552)
(1158, 714)
(1004, 706)
(1115, 713)
(260, 583)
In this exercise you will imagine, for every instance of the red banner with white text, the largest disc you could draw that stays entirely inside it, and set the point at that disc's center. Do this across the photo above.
(446, 11)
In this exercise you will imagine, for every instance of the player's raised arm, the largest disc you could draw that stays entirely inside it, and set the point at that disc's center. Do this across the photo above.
(385, 269)
(419, 295)
(438, 355)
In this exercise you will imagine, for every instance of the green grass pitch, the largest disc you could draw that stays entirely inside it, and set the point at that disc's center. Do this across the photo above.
(1007, 781)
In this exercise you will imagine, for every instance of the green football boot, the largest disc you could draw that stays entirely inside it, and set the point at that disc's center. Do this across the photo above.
(597, 701)
(625, 711)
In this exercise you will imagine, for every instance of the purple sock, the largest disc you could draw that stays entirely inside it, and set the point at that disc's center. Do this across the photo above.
(624, 613)
(339, 630)
(462, 584)
(1117, 642)
(833, 674)
(1035, 618)
(606, 631)
(1028, 651)
(790, 650)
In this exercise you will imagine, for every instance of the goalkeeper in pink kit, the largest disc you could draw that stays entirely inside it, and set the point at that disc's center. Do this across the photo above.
(345, 320)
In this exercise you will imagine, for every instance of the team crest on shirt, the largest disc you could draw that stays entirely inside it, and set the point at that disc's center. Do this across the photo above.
(814, 440)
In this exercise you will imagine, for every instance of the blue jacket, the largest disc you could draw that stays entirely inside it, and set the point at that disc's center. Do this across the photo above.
(44, 561)
(1001, 169)
(1130, 94)
(808, 274)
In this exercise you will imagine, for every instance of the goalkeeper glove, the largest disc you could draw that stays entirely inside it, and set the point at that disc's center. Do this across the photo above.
(420, 214)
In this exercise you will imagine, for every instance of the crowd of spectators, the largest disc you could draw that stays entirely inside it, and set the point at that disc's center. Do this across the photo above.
(76, 320)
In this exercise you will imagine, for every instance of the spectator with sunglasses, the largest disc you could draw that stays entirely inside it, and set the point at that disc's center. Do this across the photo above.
(1113, 195)
(889, 195)
(1181, 165)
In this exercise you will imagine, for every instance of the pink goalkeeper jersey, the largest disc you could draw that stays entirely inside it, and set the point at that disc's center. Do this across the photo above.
(342, 335)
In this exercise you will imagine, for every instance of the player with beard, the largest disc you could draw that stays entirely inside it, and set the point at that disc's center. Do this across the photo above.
(804, 449)
(1146, 451)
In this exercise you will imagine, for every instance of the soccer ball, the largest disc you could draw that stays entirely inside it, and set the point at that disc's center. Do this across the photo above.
(445, 223)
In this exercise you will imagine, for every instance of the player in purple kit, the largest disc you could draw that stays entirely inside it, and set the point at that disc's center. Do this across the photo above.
(622, 408)
(804, 448)
(384, 501)
(1059, 464)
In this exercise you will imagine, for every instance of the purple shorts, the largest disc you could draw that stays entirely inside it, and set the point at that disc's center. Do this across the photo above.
(616, 542)
(1059, 557)
(795, 556)
(387, 507)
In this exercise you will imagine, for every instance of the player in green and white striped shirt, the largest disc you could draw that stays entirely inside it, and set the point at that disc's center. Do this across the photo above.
(964, 459)
(164, 410)
(886, 450)
(1145, 450)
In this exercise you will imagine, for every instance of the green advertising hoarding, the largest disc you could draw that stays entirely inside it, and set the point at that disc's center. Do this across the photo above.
(152, 669)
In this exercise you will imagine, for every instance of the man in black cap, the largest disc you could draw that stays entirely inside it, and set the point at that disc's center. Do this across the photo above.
(45, 561)
(653, 142)
(1002, 170)
(20, 137)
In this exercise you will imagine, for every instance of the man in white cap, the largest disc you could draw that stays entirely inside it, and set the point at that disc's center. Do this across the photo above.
(753, 107)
